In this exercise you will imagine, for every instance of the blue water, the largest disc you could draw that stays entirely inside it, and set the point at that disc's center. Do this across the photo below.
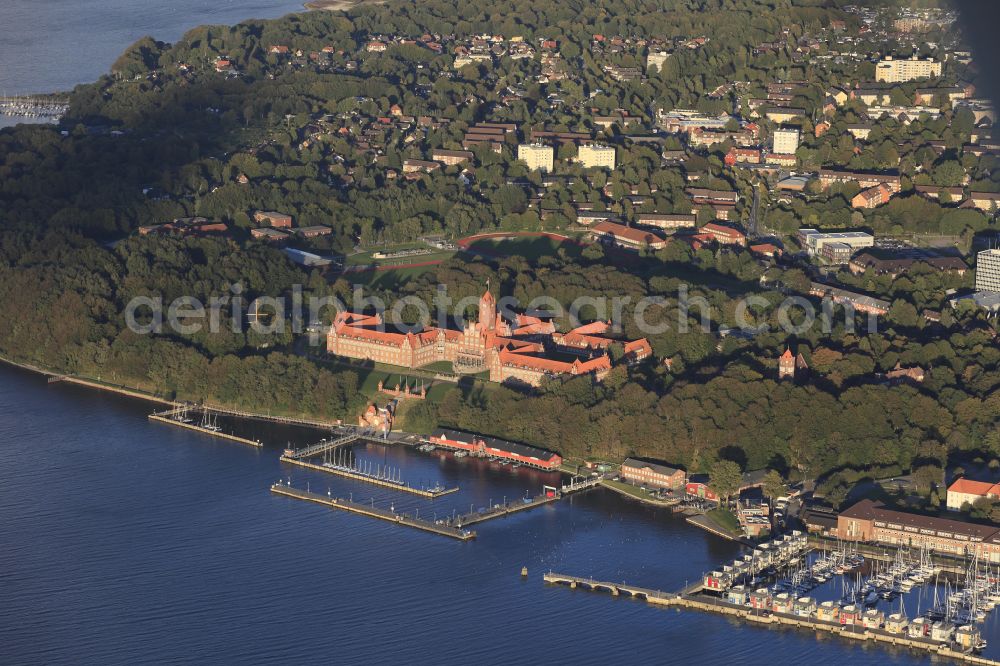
(53, 45)
(124, 541)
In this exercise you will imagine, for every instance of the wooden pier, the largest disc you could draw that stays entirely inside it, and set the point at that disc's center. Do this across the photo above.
(166, 417)
(271, 418)
(346, 437)
(373, 512)
(689, 598)
(501, 510)
(360, 476)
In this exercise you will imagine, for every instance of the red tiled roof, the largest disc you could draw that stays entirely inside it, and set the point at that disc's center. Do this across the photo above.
(971, 487)
(627, 233)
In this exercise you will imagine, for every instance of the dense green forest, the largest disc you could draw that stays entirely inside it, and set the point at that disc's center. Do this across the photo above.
(165, 135)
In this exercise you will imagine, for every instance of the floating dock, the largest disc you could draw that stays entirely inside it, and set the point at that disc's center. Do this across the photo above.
(373, 512)
(165, 417)
(368, 478)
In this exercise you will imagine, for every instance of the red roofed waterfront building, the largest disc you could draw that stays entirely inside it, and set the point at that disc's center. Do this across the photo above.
(480, 445)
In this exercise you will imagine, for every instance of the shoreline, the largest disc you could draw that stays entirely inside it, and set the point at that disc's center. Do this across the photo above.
(139, 394)
(56, 377)
(338, 5)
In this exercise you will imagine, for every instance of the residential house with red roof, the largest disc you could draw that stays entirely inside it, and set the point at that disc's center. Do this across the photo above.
(724, 235)
(964, 492)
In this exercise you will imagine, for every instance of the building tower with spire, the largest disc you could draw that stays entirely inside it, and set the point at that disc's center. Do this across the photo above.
(792, 366)
(487, 311)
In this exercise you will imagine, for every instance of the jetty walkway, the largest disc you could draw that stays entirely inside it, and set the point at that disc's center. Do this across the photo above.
(508, 508)
(347, 437)
(373, 479)
(372, 511)
(169, 417)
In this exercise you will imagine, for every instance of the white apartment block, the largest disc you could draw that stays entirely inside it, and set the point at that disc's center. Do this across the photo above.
(988, 271)
(591, 155)
(785, 141)
(891, 70)
(536, 156)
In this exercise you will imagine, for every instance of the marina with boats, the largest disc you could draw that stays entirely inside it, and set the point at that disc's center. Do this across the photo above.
(335, 456)
(907, 601)
(42, 107)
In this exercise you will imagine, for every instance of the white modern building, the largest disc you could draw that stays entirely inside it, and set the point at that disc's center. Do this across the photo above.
(814, 240)
(892, 70)
(536, 156)
(592, 155)
(785, 141)
(988, 271)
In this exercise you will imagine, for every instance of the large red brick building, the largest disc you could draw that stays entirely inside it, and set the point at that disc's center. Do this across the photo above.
(873, 522)
(654, 474)
(524, 351)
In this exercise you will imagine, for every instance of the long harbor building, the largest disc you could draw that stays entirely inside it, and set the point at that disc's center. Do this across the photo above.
(483, 446)
(873, 522)
(524, 351)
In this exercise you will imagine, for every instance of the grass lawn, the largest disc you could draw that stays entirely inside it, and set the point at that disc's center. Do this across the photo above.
(365, 257)
(391, 280)
(631, 490)
(439, 366)
(726, 521)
